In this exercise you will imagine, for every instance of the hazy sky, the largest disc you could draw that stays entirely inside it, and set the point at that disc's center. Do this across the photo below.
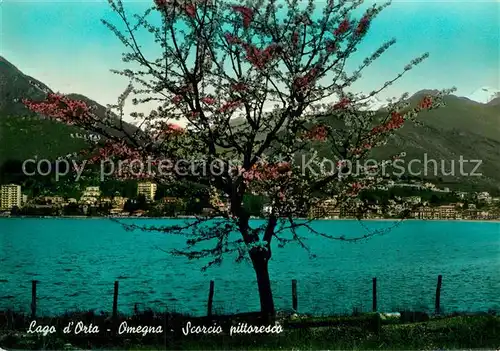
(64, 44)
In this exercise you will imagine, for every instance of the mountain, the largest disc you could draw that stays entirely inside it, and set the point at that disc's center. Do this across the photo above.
(484, 95)
(494, 102)
(373, 104)
(24, 134)
(15, 85)
(464, 127)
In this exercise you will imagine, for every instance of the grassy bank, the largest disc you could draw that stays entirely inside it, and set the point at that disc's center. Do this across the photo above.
(366, 331)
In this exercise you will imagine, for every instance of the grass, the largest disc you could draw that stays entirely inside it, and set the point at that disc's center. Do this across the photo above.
(340, 332)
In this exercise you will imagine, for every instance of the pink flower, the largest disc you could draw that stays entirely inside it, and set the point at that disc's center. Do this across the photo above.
(177, 99)
(356, 186)
(160, 3)
(260, 58)
(319, 133)
(343, 103)
(426, 103)
(190, 10)
(395, 122)
(247, 14)
(363, 25)
(343, 27)
(239, 87)
(174, 128)
(330, 46)
(112, 149)
(208, 100)
(231, 39)
(308, 79)
(230, 106)
(61, 108)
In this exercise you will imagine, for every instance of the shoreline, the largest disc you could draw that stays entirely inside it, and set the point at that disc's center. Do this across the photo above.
(254, 218)
(219, 332)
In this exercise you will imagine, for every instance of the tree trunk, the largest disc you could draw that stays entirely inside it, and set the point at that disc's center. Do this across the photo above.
(260, 261)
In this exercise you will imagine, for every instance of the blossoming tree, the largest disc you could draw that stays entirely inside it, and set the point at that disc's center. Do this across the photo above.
(261, 86)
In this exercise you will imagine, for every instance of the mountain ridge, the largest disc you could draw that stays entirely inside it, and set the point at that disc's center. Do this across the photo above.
(464, 127)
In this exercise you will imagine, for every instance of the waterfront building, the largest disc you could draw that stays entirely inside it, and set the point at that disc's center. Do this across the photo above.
(106, 200)
(10, 196)
(326, 208)
(118, 201)
(170, 200)
(53, 200)
(483, 197)
(148, 189)
(90, 195)
(448, 212)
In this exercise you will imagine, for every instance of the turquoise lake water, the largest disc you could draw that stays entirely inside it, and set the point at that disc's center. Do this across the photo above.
(76, 262)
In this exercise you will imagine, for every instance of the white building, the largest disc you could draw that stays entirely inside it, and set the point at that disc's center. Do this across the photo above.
(10, 196)
(148, 189)
(90, 195)
(484, 197)
(414, 200)
(267, 210)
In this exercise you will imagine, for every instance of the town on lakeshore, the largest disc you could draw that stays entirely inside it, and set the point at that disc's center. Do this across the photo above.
(426, 201)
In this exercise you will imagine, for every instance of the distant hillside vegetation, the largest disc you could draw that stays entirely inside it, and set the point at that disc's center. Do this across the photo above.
(463, 128)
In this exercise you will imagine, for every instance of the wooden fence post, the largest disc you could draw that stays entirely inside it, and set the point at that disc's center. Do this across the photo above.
(33, 299)
(374, 295)
(115, 300)
(438, 294)
(210, 298)
(294, 294)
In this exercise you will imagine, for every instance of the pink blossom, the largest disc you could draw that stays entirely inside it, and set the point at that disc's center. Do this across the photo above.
(230, 106)
(343, 103)
(342, 28)
(426, 103)
(395, 122)
(62, 108)
(308, 79)
(190, 10)
(239, 87)
(208, 100)
(177, 99)
(363, 25)
(260, 58)
(231, 39)
(171, 129)
(113, 149)
(160, 3)
(319, 133)
(247, 14)
(330, 46)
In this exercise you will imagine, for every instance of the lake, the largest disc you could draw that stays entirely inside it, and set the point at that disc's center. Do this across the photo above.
(76, 262)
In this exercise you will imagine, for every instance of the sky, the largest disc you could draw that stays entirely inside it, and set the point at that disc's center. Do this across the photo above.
(64, 45)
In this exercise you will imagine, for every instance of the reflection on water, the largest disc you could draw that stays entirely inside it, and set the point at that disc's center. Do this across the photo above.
(76, 262)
